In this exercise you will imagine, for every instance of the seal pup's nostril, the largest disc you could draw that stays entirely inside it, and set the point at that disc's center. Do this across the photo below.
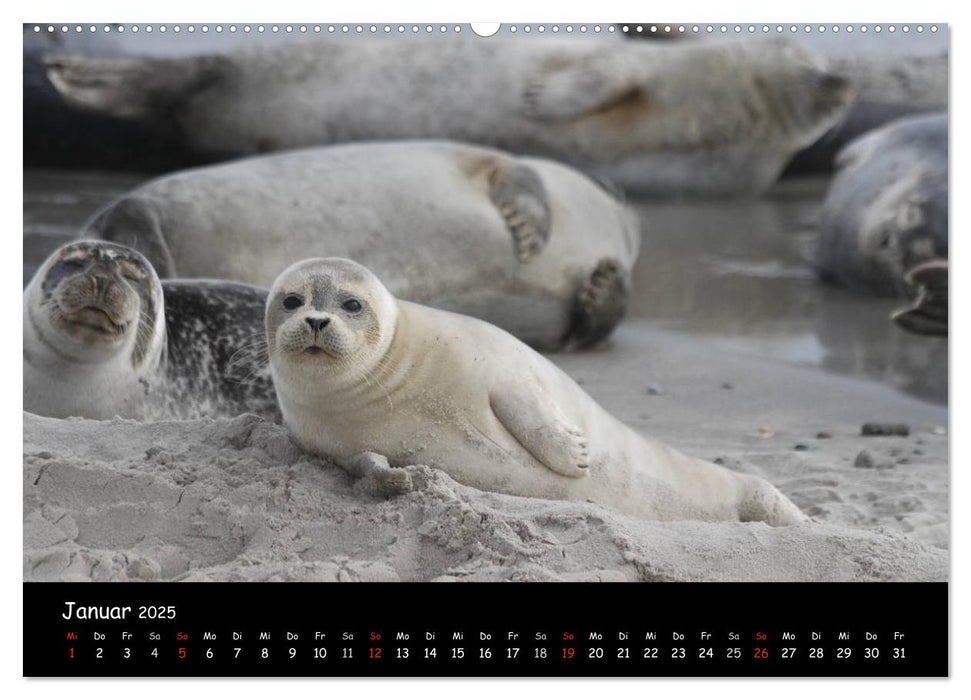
(317, 324)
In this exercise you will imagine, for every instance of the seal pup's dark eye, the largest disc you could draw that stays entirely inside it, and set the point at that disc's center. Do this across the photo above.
(352, 305)
(72, 264)
(292, 301)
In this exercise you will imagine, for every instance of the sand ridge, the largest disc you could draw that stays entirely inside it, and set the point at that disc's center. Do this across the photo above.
(236, 499)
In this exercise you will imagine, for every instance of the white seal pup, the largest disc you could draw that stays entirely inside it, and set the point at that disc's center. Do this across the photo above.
(533, 246)
(358, 371)
(703, 117)
(103, 337)
(886, 211)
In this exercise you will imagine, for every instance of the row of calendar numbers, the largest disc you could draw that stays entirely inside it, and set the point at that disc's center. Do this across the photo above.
(459, 653)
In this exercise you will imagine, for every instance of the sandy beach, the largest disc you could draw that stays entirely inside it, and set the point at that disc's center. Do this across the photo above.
(237, 500)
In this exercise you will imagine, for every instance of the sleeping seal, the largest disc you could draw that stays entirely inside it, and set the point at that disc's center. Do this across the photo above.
(530, 245)
(886, 211)
(692, 117)
(103, 337)
(357, 371)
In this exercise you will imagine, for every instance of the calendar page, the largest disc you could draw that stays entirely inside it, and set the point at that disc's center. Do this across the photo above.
(633, 333)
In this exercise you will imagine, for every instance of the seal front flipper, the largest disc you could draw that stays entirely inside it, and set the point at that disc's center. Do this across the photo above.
(129, 87)
(579, 88)
(928, 314)
(376, 475)
(534, 419)
(600, 305)
(522, 200)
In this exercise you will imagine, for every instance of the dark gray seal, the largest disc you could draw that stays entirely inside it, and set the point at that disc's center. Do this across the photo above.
(104, 337)
(886, 211)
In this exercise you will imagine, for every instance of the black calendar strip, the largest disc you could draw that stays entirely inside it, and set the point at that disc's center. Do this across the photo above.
(522, 629)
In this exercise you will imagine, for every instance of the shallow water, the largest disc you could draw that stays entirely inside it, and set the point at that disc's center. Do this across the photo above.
(738, 273)
(734, 272)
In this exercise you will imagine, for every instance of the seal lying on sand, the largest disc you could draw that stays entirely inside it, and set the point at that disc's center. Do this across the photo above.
(886, 209)
(100, 341)
(359, 371)
(530, 245)
(693, 117)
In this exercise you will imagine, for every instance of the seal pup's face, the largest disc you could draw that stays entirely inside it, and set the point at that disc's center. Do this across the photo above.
(330, 318)
(91, 300)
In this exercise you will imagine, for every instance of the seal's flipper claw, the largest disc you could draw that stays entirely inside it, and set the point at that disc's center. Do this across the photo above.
(532, 417)
(600, 305)
(928, 313)
(519, 195)
(376, 475)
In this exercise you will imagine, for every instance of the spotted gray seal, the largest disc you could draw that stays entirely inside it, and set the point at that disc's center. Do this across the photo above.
(528, 244)
(103, 337)
(886, 211)
(704, 117)
(357, 371)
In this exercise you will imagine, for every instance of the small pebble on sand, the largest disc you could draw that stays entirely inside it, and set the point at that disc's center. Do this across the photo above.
(881, 429)
(655, 389)
(823, 435)
(867, 459)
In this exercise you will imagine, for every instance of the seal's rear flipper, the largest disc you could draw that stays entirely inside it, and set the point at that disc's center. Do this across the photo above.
(519, 195)
(114, 86)
(928, 314)
(762, 502)
(126, 87)
(537, 423)
(376, 475)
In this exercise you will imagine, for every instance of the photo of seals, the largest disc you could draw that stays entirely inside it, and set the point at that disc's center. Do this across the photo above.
(103, 337)
(686, 117)
(527, 244)
(358, 371)
(886, 211)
